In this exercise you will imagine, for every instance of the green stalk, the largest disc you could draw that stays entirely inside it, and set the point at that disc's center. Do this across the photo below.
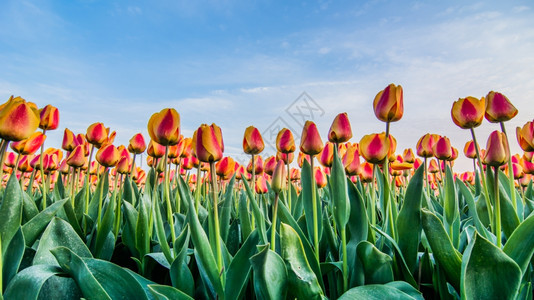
(314, 210)
(273, 226)
(167, 195)
(197, 190)
(101, 192)
(3, 148)
(497, 207)
(41, 168)
(288, 185)
(252, 221)
(373, 198)
(345, 265)
(118, 211)
(87, 191)
(510, 171)
(1, 264)
(425, 165)
(482, 176)
(216, 216)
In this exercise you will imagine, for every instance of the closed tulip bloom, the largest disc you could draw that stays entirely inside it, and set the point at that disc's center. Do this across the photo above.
(164, 127)
(525, 180)
(261, 185)
(208, 143)
(408, 156)
(49, 117)
(351, 160)
(287, 158)
(326, 158)
(11, 159)
(240, 172)
(454, 155)
(123, 166)
(54, 151)
(137, 144)
(388, 104)
(294, 174)
(285, 142)
(366, 174)
(173, 151)
(392, 147)
(187, 163)
(374, 147)
(527, 164)
(468, 112)
(252, 141)
(499, 108)
(96, 134)
(496, 149)
(469, 150)
(225, 168)
(107, 155)
(25, 163)
(525, 136)
(155, 150)
(51, 163)
(433, 166)
(18, 119)
(278, 180)
(425, 145)
(310, 140)
(63, 167)
(340, 130)
(187, 146)
(29, 145)
(76, 158)
(320, 178)
(258, 165)
(269, 165)
(442, 148)
(301, 157)
(517, 171)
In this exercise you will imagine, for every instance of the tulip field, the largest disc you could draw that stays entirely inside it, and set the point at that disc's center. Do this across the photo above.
(323, 219)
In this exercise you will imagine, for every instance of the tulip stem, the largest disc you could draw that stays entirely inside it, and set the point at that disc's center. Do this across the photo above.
(252, 221)
(41, 168)
(167, 196)
(314, 210)
(87, 190)
(100, 200)
(133, 166)
(483, 177)
(288, 185)
(216, 216)
(345, 263)
(497, 207)
(425, 165)
(3, 148)
(273, 224)
(510, 170)
(118, 207)
(197, 191)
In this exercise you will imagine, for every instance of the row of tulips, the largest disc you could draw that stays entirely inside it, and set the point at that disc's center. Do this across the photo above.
(199, 225)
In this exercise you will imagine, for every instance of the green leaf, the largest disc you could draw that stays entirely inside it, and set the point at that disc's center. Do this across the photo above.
(128, 230)
(338, 185)
(244, 217)
(181, 277)
(240, 267)
(226, 209)
(379, 292)
(306, 194)
(29, 208)
(164, 292)
(10, 211)
(488, 273)
(303, 283)
(469, 199)
(409, 220)
(444, 253)
(520, 245)
(33, 228)
(258, 215)
(59, 233)
(12, 258)
(270, 275)
(377, 265)
(142, 236)
(450, 201)
(162, 238)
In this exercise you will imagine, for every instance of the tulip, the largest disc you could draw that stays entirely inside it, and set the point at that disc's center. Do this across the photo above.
(525, 136)
(517, 171)
(388, 104)
(287, 158)
(261, 185)
(408, 156)
(18, 119)
(469, 150)
(11, 159)
(310, 141)
(497, 153)
(49, 117)
(285, 142)
(164, 127)
(527, 164)
(525, 180)
(25, 163)
(374, 147)
(499, 108)
(208, 143)
(76, 158)
(187, 147)
(96, 134)
(320, 178)
(155, 150)
(340, 130)
(454, 155)
(326, 158)
(468, 112)
(174, 151)
(270, 164)
(433, 166)
(442, 148)
(301, 157)
(225, 168)
(366, 174)
(294, 174)
(258, 165)
(425, 145)
(392, 147)
(108, 156)
(29, 145)
(252, 141)
(278, 177)
(351, 160)
(123, 166)
(137, 144)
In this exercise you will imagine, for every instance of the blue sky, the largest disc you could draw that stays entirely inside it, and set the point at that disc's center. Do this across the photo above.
(242, 63)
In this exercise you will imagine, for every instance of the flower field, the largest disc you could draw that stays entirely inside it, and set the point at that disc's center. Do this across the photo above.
(353, 221)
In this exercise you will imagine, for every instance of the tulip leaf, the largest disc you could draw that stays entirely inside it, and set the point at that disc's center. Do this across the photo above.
(520, 245)
(409, 220)
(12, 258)
(450, 201)
(469, 199)
(377, 265)
(383, 291)
(338, 187)
(270, 275)
(303, 283)
(162, 238)
(37, 224)
(10, 211)
(142, 237)
(181, 276)
(258, 215)
(244, 217)
(488, 273)
(306, 194)
(240, 267)
(128, 230)
(59, 233)
(102, 248)
(444, 252)
(29, 208)
(165, 292)
(226, 209)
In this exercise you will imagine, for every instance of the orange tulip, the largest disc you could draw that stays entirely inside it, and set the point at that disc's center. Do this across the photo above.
(366, 174)
(258, 165)
(433, 166)
(225, 168)
(301, 157)
(285, 142)
(29, 145)
(374, 147)
(468, 112)
(326, 158)
(164, 127)
(525, 136)
(340, 130)
(392, 147)
(96, 134)
(252, 141)
(278, 181)
(11, 159)
(18, 119)
(208, 143)
(287, 158)
(442, 148)
(320, 178)
(469, 150)
(270, 164)
(108, 155)
(310, 140)
(137, 144)
(408, 156)
(499, 108)
(294, 174)
(454, 155)
(77, 158)
(351, 160)
(25, 163)
(187, 146)
(497, 153)
(388, 104)
(49, 117)
(261, 185)
(425, 145)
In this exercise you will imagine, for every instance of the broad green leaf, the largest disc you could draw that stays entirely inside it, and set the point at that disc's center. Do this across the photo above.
(244, 217)
(444, 253)
(302, 282)
(181, 277)
(520, 245)
(162, 238)
(338, 185)
(306, 194)
(102, 234)
(470, 200)
(258, 215)
(12, 258)
(270, 275)
(377, 292)
(128, 230)
(377, 265)
(488, 273)
(226, 209)
(10, 211)
(33, 228)
(165, 292)
(450, 201)
(142, 236)
(29, 208)
(240, 267)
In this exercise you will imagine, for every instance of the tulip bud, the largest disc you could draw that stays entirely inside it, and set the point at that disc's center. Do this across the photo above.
(499, 108)
(320, 178)
(270, 164)
(11, 159)
(388, 104)
(225, 168)
(18, 119)
(108, 155)
(137, 144)
(468, 112)
(261, 185)
(252, 141)
(408, 156)
(258, 165)
(29, 145)
(527, 164)
(96, 134)
(278, 180)
(518, 171)
(351, 160)
(49, 117)
(187, 146)
(374, 147)
(287, 158)
(392, 147)
(497, 153)
(425, 145)
(208, 143)
(470, 150)
(340, 130)
(285, 142)
(25, 163)
(525, 136)
(433, 166)
(155, 150)
(310, 140)
(301, 157)
(366, 174)
(294, 174)
(76, 158)
(454, 155)
(442, 148)
(164, 127)
(326, 158)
